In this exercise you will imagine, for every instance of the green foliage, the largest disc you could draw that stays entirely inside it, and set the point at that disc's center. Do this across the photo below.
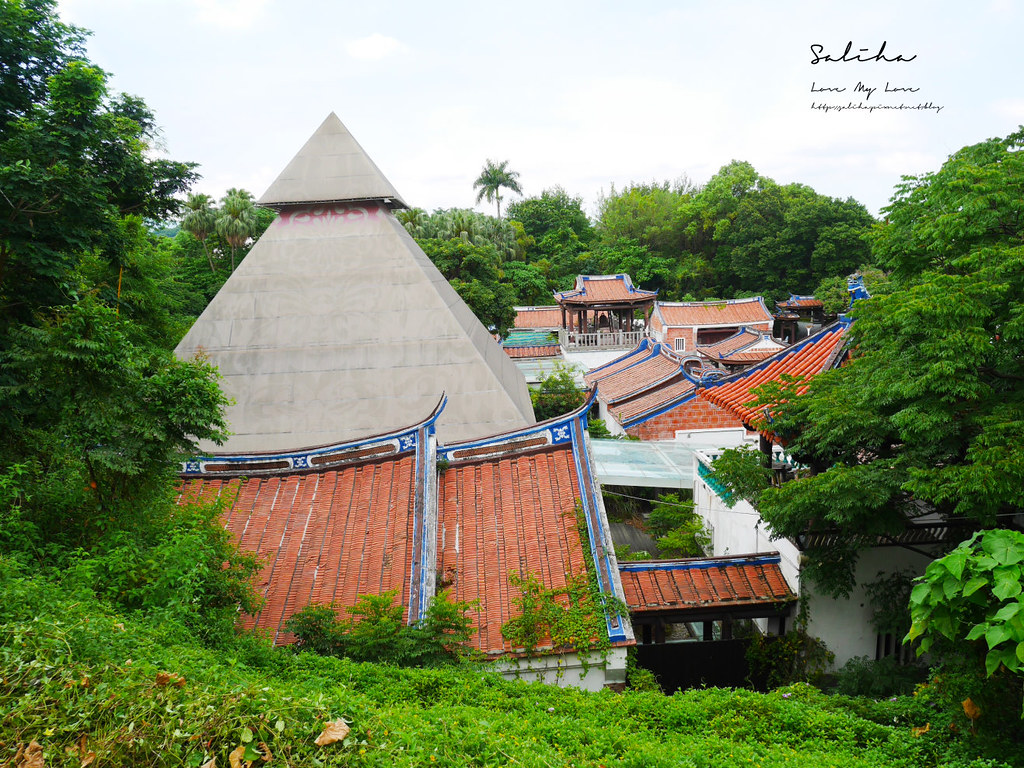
(139, 696)
(99, 419)
(889, 595)
(835, 295)
(492, 179)
(556, 394)
(474, 272)
(862, 676)
(679, 529)
(74, 161)
(973, 598)
(790, 658)
(376, 631)
(743, 475)
(564, 619)
(928, 412)
(597, 429)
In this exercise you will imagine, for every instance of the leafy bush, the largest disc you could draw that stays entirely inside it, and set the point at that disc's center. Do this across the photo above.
(790, 658)
(376, 631)
(81, 678)
(680, 530)
(862, 676)
(556, 394)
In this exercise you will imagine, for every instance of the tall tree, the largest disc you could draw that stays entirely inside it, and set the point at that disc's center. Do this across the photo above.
(236, 220)
(200, 221)
(494, 178)
(74, 162)
(929, 412)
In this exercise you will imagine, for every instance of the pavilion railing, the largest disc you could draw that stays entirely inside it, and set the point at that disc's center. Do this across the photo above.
(575, 340)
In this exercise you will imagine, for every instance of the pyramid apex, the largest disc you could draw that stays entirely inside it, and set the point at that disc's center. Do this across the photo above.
(331, 167)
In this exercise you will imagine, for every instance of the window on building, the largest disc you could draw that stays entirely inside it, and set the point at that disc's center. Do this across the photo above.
(680, 345)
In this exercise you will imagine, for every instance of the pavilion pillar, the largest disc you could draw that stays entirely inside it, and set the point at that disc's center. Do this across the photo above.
(766, 451)
(563, 319)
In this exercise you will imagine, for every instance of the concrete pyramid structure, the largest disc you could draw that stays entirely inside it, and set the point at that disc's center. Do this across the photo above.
(337, 326)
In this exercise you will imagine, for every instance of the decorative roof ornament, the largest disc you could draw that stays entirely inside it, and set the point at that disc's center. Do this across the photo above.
(855, 285)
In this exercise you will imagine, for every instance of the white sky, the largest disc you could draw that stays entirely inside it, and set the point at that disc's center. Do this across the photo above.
(581, 94)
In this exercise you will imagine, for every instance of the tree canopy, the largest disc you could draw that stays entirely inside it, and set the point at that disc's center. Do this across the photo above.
(492, 179)
(928, 416)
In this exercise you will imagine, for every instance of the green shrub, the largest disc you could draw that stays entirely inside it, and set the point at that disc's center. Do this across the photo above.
(862, 676)
(376, 631)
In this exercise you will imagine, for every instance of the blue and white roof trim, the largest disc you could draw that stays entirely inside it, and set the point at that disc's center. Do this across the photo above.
(387, 445)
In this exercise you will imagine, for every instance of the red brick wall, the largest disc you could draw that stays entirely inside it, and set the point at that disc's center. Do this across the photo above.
(695, 414)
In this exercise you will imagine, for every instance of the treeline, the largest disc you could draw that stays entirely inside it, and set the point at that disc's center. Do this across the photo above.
(740, 234)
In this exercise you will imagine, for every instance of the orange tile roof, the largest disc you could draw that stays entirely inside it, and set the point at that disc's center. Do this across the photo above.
(324, 537)
(742, 338)
(502, 516)
(546, 350)
(508, 504)
(599, 289)
(538, 317)
(676, 389)
(799, 302)
(704, 584)
(805, 359)
(706, 313)
(734, 349)
(371, 519)
(636, 378)
(646, 348)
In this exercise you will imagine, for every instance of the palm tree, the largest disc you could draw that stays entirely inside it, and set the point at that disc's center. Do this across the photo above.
(237, 220)
(493, 177)
(200, 221)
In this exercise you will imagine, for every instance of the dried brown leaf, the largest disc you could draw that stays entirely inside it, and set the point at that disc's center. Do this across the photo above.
(334, 731)
(163, 678)
(267, 754)
(32, 757)
(86, 755)
(972, 710)
(922, 730)
(211, 763)
(236, 759)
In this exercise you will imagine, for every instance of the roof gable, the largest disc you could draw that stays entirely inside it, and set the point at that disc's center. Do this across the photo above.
(803, 360)
(708, 313)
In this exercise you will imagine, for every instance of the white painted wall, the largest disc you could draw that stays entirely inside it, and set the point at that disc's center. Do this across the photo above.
(567, 670)
(843, 624)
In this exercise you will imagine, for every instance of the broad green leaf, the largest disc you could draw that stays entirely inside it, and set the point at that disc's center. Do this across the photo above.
(977, 631)
(955, 562)
(1003, 547)
(950, 588)
(247, 736)
(919, 593)
(251, 753)
(992, 661)
(996, 634)
(1020, 651)
(1007, 585)
(1007, 612)
(972, 586)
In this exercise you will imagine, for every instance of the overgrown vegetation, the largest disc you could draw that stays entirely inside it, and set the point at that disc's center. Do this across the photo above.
(81, 680)
(556, 394)
(375, 631)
